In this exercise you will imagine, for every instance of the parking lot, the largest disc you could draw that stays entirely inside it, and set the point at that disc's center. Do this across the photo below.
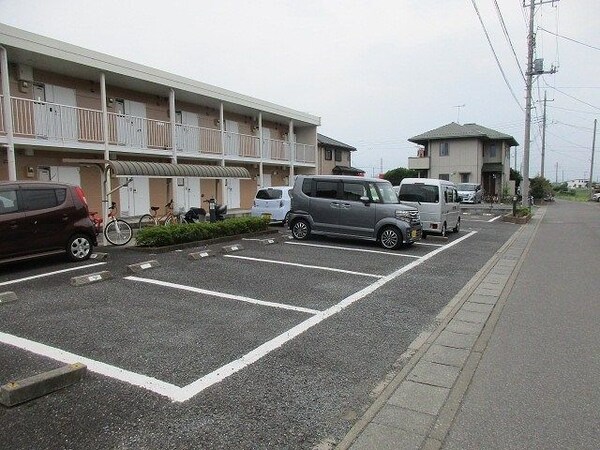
(277, 343)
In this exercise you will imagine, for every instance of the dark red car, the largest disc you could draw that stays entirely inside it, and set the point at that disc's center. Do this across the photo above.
(44, 218)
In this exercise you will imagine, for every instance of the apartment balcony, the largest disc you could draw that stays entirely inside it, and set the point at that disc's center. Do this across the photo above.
(46, 123)
(418, 163)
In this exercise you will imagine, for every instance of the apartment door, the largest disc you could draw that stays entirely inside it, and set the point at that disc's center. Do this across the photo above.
(233, 192)
(232, 138)
(135, 197)
(266, 181)
(188, 193)
(131, 123)
(54, 112)
(266, 150)
(187, 131)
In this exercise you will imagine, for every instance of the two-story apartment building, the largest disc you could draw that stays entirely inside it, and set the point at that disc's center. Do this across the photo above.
(468, 153)
(69, 114)
(335, 157)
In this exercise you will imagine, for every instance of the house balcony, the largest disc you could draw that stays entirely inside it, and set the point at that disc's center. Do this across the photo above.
(50, 124)
(418, 163)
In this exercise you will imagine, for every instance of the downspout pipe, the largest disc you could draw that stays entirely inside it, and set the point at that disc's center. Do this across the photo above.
(8, 126)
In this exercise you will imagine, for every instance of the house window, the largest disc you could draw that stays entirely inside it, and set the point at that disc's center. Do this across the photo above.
(492, 151)
(444, 176)
(328, 155)
(444, 151)
(338, 155)
(464, 177)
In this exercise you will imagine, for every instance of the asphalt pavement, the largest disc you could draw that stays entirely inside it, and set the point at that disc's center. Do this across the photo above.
(515, 361)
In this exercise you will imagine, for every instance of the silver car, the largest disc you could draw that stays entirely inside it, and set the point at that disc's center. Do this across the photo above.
(357, 207)
(469, 192)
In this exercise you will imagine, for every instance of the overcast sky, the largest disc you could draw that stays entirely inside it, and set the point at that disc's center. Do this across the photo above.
(376, 72)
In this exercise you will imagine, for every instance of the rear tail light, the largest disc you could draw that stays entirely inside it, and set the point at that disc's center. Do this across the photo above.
(254, 202)
(281, 203)
(81, 195)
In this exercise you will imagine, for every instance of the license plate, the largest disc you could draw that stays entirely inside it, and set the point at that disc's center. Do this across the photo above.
(413, 233)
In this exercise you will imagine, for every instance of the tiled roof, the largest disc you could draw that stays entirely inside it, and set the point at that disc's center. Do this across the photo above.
(328, 142)
(454, 130)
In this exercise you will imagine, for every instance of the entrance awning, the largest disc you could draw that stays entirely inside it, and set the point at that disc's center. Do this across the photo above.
(491, 167)
(163, 170)
(346, 170)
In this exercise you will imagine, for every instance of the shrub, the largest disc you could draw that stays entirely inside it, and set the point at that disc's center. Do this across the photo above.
(192, 232)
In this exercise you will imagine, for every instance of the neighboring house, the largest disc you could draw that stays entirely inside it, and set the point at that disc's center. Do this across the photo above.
(468, 153)
(67, 102)
(335, 157)
(578, 183)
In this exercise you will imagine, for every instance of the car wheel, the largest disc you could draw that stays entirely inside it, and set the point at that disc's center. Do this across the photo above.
(444, 230)
(423, 235)
(300, 229)
(390, 238)
(79, 247)
(456, 229)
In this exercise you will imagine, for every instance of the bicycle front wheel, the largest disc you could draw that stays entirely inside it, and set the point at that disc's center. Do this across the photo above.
(118, 232)
(146, 221)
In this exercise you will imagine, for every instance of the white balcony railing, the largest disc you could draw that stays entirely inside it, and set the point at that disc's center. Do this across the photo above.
(64, 124)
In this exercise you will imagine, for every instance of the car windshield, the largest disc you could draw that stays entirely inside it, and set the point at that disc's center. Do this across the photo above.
(465, 187)
(387, 193)
(269, 194)
(422, 193)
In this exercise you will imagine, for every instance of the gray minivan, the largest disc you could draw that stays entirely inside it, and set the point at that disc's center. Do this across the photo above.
(357, 207)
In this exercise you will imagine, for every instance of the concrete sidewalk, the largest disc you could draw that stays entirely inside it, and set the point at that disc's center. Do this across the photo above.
(514, 362)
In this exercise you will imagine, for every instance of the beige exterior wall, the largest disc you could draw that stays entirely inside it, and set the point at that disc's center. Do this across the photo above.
(326, 166)
(464, 156)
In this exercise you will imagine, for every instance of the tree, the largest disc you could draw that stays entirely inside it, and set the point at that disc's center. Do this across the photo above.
(514, 175)
(395, 176)
(539, 187)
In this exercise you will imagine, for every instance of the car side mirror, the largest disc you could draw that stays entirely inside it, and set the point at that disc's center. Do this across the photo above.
(365, 200)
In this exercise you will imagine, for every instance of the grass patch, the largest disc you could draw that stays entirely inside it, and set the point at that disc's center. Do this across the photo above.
(574, 195)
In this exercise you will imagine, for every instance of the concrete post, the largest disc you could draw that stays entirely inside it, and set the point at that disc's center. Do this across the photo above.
(7, 109)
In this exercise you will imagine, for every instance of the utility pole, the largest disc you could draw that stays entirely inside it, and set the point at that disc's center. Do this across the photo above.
(556, 176)
(528, 85)
(544, 137)
(592, 164)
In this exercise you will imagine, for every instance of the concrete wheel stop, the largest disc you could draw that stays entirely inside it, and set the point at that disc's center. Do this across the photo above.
(21, 391)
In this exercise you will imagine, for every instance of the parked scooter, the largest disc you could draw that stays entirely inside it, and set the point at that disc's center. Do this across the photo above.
(216, 212)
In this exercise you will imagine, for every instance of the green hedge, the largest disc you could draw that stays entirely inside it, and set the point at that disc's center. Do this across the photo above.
(191, 232)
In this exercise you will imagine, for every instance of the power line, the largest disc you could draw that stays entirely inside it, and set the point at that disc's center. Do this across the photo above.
(496, 56)
(570, 96)
(507, 35)
(569, 39)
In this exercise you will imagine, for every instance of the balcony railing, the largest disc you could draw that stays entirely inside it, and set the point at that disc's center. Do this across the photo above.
(65, 125)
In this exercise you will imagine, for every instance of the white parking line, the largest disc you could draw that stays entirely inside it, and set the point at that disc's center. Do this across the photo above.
(307, 266)
(495, 218)
(136, 379)
(33, 277)
(223, 295)
(221, 373)
(352, 249)
(182, 394)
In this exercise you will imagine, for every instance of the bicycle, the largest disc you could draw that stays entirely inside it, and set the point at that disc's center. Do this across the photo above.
(152, 220)
(117, 231)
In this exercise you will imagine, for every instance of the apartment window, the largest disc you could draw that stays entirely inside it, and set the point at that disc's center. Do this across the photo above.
(492, 151)
(328, 155)
(444, 151)
(338, 155)
(464, 177)
(444, 176)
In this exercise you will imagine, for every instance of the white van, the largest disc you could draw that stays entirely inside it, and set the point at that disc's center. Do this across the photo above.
(437, 201)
